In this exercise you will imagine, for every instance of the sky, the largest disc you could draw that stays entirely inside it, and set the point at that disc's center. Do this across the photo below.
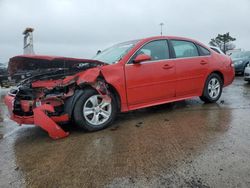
(78, 28)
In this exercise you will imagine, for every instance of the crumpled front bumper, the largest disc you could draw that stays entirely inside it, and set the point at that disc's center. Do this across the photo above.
(9, 101)
(39, 118)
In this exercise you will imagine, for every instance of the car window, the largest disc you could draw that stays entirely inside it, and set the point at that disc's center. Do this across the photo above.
(184, 49)
(157, 50)
(203, 51)
(216, 50)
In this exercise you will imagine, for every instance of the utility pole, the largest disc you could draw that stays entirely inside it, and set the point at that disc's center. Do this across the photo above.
(28, 41)
(161, 24)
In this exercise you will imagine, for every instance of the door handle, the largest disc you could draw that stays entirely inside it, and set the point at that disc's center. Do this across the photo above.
(167, 66)
(203, 62)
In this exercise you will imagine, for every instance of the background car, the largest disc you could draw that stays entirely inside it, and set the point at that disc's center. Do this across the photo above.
(240, 61)
(3, 75)
(247, 73)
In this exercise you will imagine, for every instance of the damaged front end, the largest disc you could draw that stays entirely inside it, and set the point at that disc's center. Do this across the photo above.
(47, 97)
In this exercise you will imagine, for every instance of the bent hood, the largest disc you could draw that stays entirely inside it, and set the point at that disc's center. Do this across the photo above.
(46, 64)
(239, 59)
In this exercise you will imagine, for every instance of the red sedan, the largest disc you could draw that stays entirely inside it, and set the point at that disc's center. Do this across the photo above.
(126, 76)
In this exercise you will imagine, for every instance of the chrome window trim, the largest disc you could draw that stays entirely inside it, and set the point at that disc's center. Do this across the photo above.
(152, 61)
(174, 59)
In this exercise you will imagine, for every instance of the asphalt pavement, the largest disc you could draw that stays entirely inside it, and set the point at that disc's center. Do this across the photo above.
(182, 144)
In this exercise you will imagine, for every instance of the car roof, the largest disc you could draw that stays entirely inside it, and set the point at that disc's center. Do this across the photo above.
(171, 38)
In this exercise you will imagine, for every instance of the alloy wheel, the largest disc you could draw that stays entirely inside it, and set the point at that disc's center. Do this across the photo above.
(96, 110)
(214, 88)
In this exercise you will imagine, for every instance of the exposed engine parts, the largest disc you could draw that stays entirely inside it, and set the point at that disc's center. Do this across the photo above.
(43, 95)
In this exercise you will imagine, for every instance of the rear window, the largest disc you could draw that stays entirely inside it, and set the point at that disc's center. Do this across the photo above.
(203, 50)
(184, 49)
(216, 50)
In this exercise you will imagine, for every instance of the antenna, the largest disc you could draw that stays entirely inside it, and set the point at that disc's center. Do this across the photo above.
(161, 24)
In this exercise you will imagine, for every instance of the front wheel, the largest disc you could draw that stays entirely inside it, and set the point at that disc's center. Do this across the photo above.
(93, 112)
(213, 88)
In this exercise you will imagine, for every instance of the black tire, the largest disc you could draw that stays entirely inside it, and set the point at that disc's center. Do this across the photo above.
(78, 114)
(206, 96)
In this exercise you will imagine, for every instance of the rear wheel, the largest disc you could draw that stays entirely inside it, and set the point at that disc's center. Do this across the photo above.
(213, 88)
(93, 112)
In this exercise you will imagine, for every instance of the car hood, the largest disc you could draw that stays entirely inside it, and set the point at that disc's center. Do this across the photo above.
(239, 59)
(46, 64)
(36, 67)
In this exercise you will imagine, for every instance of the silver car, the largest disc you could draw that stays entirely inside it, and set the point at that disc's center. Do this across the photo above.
(240, 60)
(247, 73)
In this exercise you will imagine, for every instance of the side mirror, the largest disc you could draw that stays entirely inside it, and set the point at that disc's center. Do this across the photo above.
(140, 58)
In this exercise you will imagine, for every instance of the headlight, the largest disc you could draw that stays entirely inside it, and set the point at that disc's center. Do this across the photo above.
(238, 62)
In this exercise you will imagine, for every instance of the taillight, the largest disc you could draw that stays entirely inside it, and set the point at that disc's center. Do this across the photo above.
(231, 63)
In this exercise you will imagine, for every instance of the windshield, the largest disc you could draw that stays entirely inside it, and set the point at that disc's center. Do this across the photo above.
(2, 65)
(240, 55)
(115, 53)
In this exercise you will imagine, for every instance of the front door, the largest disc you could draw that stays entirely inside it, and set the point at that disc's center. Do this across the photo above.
(151, 81)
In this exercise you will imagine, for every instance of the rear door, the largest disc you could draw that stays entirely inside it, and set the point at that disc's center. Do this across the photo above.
(151, 81)
(191, 68)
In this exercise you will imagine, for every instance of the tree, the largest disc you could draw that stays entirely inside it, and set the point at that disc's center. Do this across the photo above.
(223, 41)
